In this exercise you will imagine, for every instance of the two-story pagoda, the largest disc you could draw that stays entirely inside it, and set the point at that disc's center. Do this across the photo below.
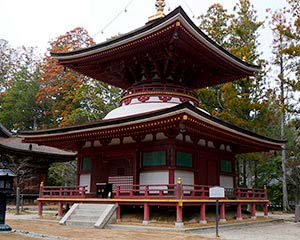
(158, 133)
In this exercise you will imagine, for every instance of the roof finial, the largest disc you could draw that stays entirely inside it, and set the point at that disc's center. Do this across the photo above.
(160, 4)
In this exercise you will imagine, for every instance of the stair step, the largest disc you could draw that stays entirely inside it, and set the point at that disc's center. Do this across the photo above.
(91, 206)
(88, 213)
(86, 218)
(80, 223)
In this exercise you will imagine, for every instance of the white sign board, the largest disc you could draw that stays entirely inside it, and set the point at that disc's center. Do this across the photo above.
(216, 192)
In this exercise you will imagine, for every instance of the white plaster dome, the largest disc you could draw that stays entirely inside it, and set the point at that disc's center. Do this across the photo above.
(133, 109)
(152, 97)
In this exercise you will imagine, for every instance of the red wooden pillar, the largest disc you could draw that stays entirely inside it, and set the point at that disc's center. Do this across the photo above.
(178, 189)
(60, 209)
(171, 176)
(179, 222)
(203, 214)
(146, 213)
(239, 212)
(222, 213)
(79, 159)
(119, 213)
(40, 209)
(253, 211)
(266, 210)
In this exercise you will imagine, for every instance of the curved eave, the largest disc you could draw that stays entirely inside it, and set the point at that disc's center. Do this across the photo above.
(50, 155)
(81, 133)
(4, 132)
(178, 15)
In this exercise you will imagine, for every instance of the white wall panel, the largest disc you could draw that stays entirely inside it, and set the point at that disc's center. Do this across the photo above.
(85, 180)
(187, 179)
(226, 181)
(155, 177)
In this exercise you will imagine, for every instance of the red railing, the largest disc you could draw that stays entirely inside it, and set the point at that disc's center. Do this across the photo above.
(62, 191)
(184, 191)
(251, 193)
(160, 191)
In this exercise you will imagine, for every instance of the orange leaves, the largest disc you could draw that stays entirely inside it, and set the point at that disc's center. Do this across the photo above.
(59, 86)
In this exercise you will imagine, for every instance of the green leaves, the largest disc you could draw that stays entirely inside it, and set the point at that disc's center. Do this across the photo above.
(17, 104)
(238, 102)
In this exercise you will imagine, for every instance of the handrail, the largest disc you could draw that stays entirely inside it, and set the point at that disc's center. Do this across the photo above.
(183, 191)
(62, 191)
(170, 191)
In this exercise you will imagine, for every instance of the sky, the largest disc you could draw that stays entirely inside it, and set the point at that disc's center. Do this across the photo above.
(36, 22)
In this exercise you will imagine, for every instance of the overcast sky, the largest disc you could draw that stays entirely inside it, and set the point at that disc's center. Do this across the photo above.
(36, 22)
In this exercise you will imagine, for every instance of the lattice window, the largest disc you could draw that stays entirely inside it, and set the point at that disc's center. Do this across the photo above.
(86, 164)
(125, 182)
(184, 159)
(154, 159)
(226, 166)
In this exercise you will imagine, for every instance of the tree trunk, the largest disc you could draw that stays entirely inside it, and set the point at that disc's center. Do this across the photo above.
(285, 203)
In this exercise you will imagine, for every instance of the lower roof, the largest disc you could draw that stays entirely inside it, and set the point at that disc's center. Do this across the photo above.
(14, 145)
(197, 121)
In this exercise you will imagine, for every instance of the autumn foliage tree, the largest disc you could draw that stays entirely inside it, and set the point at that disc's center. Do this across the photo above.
(66, 96)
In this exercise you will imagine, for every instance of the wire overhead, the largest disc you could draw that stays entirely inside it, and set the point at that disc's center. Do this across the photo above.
(188, 6)
(123, 10)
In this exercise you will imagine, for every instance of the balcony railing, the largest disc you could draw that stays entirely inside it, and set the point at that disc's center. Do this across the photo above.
(62, 191)
(184, 191)
(155, 191)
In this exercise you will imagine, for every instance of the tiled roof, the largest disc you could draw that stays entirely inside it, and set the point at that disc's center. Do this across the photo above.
(17, 144)
(7, 172)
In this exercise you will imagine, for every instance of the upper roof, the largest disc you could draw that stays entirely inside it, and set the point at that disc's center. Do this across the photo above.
(198, 122)
(173, 37)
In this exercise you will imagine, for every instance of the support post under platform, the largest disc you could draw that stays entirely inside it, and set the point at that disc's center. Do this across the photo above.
(179, 222)
(203, 214)
(146, 213)
(40, 209)
(266, 210)
(239, 212)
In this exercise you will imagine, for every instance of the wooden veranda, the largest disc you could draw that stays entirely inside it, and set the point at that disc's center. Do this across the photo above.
(173, 195)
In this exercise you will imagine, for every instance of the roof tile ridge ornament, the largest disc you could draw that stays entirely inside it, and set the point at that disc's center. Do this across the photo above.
(160, 4)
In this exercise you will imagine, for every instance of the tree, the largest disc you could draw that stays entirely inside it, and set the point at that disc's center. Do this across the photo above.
(13, 61)
(6, 65)
(285, 24)
(241, 102)
(61, 174)
(17, 104)
(245, 102)
(66, 96)
(215, 23)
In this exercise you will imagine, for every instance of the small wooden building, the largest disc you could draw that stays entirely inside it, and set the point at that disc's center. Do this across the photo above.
(29, 160)
(158, 134)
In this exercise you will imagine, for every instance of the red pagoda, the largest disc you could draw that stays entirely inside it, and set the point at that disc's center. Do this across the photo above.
(158, 135)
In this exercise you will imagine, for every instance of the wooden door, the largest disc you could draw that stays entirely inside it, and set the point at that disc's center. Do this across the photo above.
(212, 178)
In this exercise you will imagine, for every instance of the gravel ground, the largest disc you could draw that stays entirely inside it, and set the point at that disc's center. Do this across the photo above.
(276, 231)
(287, 230)
(28, 227)
(31, 229)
